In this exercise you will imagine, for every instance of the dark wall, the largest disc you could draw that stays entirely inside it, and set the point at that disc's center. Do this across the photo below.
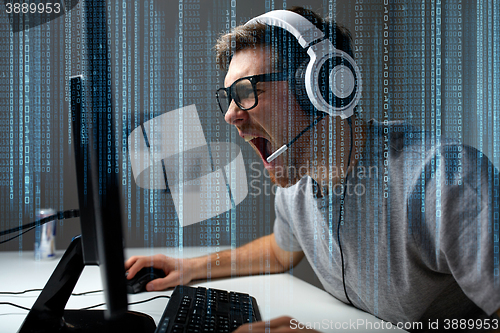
(423, 63)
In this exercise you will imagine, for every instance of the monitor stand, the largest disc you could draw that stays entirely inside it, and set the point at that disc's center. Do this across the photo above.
(48, 313)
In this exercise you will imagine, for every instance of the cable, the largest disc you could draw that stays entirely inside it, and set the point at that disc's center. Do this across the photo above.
(133, 303)
(17, 306)
(88, 307)
(32, 290)
(62, 215)
(87, 292)
(341, 214)
(93, 306)
(22, 233)
(150, 299)
(57, 216)
(18, 292)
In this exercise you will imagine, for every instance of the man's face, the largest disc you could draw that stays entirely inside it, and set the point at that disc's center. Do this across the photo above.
(275, 120)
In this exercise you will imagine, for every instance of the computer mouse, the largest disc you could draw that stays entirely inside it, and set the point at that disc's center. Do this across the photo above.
(138, 283)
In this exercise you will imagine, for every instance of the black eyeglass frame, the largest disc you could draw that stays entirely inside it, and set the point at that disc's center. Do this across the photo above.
(254, 79)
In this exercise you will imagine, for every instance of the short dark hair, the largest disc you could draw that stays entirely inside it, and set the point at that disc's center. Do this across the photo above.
(251, 36)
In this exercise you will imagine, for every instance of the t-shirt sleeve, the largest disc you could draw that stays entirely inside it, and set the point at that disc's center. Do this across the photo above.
(461, 195)
(283, 231)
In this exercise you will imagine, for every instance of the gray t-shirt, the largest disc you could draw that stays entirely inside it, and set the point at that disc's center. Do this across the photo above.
(420, 234)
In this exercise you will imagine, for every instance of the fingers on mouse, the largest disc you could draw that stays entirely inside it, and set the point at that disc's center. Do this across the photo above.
(138, 283)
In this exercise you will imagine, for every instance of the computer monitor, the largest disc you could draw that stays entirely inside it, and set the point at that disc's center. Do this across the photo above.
(101, 242)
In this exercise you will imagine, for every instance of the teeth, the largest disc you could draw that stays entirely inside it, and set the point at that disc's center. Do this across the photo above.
(249, 138)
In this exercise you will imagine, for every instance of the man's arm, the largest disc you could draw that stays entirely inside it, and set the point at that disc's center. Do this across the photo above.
(259, 256)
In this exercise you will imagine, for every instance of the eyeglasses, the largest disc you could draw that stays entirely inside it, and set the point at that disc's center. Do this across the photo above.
(244, 91)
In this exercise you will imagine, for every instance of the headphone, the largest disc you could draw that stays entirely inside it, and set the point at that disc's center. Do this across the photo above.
(330, 80)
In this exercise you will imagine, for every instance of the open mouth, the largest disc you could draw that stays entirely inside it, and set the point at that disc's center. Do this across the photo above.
(263, 146)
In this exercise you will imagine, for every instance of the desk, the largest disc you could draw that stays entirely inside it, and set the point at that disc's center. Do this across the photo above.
(276, 294)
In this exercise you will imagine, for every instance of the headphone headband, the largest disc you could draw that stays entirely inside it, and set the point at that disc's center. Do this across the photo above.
(296, 24)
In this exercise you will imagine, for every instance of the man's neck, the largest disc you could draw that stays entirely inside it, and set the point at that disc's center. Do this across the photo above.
(332, 155)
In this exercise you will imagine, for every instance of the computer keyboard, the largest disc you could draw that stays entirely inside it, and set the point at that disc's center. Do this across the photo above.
(200, 310)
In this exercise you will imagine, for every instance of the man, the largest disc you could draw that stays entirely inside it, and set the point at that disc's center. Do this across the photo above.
(396, 222)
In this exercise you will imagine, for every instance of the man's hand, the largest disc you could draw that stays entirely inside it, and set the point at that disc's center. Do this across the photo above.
(277, 325)
(177, 271)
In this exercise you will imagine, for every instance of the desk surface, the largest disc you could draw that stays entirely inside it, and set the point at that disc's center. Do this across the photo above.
(276, 294)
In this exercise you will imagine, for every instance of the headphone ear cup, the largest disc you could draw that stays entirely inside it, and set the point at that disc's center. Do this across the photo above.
(330, 84)
(337, 81)
(299, 88)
